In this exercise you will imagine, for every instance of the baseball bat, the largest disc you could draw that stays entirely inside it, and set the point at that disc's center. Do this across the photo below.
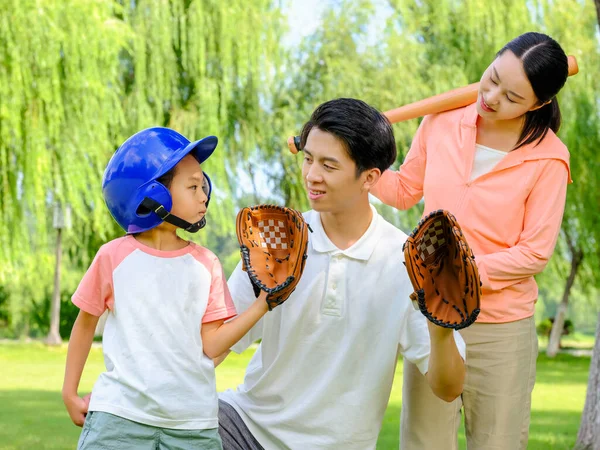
(455, 98)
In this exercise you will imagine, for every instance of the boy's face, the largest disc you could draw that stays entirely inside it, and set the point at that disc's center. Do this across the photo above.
(329, 174)
(189, 199)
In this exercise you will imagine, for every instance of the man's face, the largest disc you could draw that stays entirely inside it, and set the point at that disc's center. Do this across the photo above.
(329, 174)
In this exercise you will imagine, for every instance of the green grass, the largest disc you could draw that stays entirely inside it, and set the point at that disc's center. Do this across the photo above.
(575, 341)
(32, 415)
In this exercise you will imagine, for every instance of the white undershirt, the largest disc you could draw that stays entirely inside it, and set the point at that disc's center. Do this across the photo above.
(485, 160)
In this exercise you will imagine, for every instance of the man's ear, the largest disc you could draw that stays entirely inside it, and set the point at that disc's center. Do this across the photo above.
(371, 178)
(540, 106)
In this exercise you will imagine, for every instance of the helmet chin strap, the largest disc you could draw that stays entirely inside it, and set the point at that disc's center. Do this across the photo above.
(165, 215)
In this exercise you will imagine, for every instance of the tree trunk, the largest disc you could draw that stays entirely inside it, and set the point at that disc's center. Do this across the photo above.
(54, 334)
(561, 312)
(588, 437)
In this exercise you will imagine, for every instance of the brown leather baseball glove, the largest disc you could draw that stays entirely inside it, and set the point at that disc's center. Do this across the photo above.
(442, 269)
(273, 243)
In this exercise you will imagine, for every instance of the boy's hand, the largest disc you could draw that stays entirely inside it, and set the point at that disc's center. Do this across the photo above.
(77, 407)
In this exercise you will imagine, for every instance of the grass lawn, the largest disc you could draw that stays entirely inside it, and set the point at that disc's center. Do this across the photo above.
(32, 415)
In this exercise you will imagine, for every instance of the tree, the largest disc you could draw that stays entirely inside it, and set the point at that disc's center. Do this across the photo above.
(341, 58)
(60, 107)
(61, 220)
(580, 132)
(458, 39)
(60, 111)
(561, 313)
(588, 437)
(79, 76)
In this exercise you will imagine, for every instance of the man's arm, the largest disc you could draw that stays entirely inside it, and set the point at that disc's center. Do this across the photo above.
(446, 373)
(80, 343)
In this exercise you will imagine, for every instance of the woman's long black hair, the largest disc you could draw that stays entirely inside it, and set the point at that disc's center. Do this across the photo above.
(547, 68)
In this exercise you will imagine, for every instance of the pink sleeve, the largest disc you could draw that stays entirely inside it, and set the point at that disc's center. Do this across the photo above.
(404, 188)
(220, 305)
(543, 216)
(95, 291)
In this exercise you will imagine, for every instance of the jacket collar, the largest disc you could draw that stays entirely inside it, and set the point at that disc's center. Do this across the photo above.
(551, 147)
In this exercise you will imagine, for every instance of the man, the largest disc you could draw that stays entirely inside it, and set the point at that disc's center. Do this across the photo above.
(322, 375)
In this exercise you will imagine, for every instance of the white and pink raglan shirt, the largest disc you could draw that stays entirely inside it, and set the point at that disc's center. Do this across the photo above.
(156, 371)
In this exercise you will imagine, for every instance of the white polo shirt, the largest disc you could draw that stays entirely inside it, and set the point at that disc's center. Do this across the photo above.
(322, 375)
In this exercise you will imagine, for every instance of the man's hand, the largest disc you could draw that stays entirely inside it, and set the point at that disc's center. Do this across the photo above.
(77, 407)
(439, 334)
(446, 373)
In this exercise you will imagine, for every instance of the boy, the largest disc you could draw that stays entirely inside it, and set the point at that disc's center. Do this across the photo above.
(167, 299)
(322, 375)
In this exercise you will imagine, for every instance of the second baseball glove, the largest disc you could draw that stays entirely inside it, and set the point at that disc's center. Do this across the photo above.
(442, 269)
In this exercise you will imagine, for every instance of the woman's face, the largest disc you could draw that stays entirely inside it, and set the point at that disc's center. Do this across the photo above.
(504, 91)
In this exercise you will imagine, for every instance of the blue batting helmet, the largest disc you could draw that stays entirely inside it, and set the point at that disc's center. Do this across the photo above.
(133, 196)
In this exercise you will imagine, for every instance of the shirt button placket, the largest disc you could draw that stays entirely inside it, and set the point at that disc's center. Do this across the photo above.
(334, 296)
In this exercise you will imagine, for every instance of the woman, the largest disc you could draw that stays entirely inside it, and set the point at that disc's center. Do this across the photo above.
(499, 167)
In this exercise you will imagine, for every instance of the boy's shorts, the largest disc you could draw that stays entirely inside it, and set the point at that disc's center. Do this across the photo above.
(106, 431)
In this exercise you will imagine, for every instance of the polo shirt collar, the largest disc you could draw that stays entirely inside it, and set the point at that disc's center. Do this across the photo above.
(361, 249)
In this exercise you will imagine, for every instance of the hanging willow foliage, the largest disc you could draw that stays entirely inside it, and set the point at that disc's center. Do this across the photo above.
(464, 43)
(59, 110)
(430, 46)
(203, 67)
(77, 77)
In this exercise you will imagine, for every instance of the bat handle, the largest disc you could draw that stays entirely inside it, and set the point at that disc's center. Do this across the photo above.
(294, 144)
(573, 67)
(442, 102)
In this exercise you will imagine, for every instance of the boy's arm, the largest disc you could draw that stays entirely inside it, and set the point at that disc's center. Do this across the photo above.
(219, 359)
(218, 336)
(446, 372)
(80, 343)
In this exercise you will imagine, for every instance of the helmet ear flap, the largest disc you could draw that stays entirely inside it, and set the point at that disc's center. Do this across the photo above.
(157, 192)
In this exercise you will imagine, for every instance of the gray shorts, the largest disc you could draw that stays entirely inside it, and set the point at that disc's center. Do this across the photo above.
(234, 432)
(104, 431)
